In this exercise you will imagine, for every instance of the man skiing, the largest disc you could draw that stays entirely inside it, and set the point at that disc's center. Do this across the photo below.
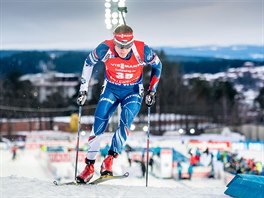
(124, 59)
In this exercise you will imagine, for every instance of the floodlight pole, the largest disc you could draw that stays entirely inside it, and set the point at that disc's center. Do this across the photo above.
(123, 10)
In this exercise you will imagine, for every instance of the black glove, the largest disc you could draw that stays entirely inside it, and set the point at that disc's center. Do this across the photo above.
(82, 96)
(150, 98)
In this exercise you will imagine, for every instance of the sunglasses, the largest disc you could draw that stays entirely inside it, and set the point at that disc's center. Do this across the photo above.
(123, 46)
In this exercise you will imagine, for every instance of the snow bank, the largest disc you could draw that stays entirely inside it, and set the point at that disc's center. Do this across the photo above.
(26, 177)
(13, 187)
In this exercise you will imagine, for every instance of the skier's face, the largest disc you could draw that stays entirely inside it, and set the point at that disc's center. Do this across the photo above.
(122, 52)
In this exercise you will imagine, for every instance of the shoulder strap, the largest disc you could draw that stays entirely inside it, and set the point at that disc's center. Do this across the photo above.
(135, 51)
(109, 51)
(107, 55)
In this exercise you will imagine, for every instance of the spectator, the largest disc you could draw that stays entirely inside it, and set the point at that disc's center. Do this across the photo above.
(151, 162)
(128, 150)
(179, 166)
(14, 152)
(190, 171)
(193, 160)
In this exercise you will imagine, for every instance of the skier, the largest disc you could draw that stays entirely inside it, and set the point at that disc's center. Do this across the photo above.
(14, 152)
(124, 59)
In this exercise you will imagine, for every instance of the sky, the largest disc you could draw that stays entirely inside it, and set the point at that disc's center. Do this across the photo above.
(79, 24)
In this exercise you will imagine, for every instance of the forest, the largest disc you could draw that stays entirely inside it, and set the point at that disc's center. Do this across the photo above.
(217, 101)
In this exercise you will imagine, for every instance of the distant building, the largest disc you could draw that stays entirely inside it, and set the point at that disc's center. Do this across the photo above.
(48, 83)
(248, 64)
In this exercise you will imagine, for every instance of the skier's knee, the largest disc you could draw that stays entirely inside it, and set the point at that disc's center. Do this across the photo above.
(127, 117)
(99, 127)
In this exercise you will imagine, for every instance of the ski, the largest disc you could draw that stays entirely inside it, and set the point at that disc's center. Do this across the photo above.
(99, 180)
(65, 183)
(104, 178)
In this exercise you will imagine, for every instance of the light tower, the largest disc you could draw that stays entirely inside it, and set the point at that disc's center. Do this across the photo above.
(114, 13)
(114, 16)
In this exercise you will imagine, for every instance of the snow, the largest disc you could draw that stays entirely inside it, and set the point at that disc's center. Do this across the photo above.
(27, 177)
(257, 56)
(26, 187)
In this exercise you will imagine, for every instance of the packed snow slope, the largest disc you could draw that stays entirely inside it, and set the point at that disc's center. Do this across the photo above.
(18, 187)
(26, 177)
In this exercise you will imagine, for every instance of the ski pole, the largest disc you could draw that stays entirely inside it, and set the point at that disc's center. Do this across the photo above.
(148, 132)
(78, 138)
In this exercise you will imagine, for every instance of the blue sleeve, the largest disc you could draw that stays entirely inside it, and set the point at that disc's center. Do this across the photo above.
(151, 58)
(149, 54)
(97, 54)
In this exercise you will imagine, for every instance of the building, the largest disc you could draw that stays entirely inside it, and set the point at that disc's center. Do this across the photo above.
(48, 83)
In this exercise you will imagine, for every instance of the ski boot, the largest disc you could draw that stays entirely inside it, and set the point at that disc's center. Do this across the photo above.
(106, 167)
(87, 173)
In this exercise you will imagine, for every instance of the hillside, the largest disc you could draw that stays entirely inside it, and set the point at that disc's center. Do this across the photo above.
(239, 52)
(27, 62)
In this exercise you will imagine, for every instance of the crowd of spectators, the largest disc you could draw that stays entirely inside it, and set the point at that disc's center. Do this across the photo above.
(236, 164)
(232, 162)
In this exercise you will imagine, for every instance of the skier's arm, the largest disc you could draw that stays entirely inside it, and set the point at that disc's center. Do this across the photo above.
(153, 60)
(96, 55)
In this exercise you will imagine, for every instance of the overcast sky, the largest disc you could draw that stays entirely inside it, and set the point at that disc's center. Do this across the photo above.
(79, 24)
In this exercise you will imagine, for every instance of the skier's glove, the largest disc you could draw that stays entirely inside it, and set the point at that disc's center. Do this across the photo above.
(150, 98)
(81, 98)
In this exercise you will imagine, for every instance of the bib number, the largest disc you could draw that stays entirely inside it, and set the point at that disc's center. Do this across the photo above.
(120, 75)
